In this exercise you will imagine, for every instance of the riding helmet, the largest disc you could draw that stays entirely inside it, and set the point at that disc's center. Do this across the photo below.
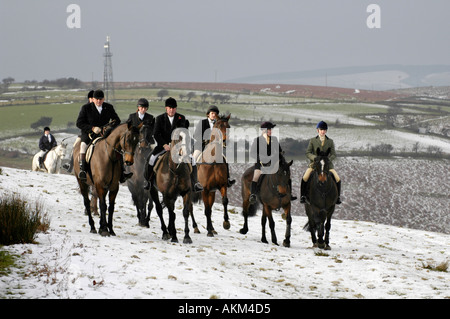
(171, 102)
(212, 108)
(268, 125)
(142, 102)
(322, 125)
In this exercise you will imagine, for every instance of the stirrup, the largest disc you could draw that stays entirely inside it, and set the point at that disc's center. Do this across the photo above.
(82, 175)
(198, 187)
(293, 197)
(303, 199)
(338, 201)
(230, 182)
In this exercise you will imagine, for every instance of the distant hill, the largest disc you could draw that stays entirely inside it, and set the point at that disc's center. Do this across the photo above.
(380, 77)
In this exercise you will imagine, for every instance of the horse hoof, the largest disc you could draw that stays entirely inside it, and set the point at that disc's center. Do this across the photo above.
(321, 246)
(264, 241)
(174, 240)
(104, 233)
(315, 245)
(165, 236)
(196, 231)
(226, 225)
(187, 240)
(243, 231)
(93, 231)
(286, 243)
(112, 233)
(210, 234)
(327, 247)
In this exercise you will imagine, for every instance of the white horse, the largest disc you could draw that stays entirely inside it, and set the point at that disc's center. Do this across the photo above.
(52, 163)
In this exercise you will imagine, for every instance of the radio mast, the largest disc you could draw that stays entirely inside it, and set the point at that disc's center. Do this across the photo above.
(108, 83)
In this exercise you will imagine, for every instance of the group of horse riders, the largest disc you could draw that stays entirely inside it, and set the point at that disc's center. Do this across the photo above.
(97, 114)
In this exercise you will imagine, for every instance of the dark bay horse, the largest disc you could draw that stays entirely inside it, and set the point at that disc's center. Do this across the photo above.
(322, 200)
(274, 193)
(105, 170)
(173, 179)
(140, 196)
(212, 172)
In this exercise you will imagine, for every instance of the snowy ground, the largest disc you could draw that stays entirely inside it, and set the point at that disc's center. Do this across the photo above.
(367, 260)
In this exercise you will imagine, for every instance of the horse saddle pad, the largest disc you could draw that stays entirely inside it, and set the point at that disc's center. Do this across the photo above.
(160, 160)
(90, 149)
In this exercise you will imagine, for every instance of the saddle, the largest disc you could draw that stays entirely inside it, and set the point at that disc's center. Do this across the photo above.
(159, 161)
(90, 149)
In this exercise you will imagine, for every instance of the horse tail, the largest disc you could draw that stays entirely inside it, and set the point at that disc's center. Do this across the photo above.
(307, 227)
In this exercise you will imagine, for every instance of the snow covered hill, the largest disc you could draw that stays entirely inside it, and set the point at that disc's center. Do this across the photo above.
(367, 260)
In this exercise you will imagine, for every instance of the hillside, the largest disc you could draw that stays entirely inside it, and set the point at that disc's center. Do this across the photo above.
(367, 260)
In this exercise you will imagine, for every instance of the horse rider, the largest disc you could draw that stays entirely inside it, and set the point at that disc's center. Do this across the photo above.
(165, 124)
(264, 157)
(46, 143)
(92, 118)
(203, 126)
(141, 116)
(323, 143)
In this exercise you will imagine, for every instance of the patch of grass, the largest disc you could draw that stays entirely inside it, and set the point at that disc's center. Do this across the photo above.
(6, 261)
(443, 266)
(20, 220)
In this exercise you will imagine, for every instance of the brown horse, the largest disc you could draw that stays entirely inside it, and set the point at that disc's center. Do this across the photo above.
(274, 193)
(212, 172)
(172, 178)
(105, 170)
(322, 195)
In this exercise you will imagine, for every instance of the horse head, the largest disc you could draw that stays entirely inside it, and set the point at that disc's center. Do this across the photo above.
(128, 142)
(61, 150)
(179, 151)
(219, 130)
(146, 136)
(322, 164)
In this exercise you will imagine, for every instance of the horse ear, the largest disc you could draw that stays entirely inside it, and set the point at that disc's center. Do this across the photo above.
(291, 162)
(228, 117)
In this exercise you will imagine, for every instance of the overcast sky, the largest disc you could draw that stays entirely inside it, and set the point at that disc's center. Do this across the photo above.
(208, 40)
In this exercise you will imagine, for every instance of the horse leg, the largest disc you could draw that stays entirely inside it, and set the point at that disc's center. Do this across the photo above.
(245, 206)
(159, 211)
(149, 211)
(84, 189)
(263, 224)
(103, 224)
(287, 239)
(327, 229)
(223, 192)
(186, 208)
(208, 200)
(170, 204)
(272, 226)
(112, 199)
(194, 223)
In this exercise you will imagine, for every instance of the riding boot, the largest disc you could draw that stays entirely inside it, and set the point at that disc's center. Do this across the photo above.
(230, 182)
(303, 192)
(148, 175)
(293, 197)
(197, 186)
(41, 162)
(82, 174)
(338, 201)
(253, 194)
